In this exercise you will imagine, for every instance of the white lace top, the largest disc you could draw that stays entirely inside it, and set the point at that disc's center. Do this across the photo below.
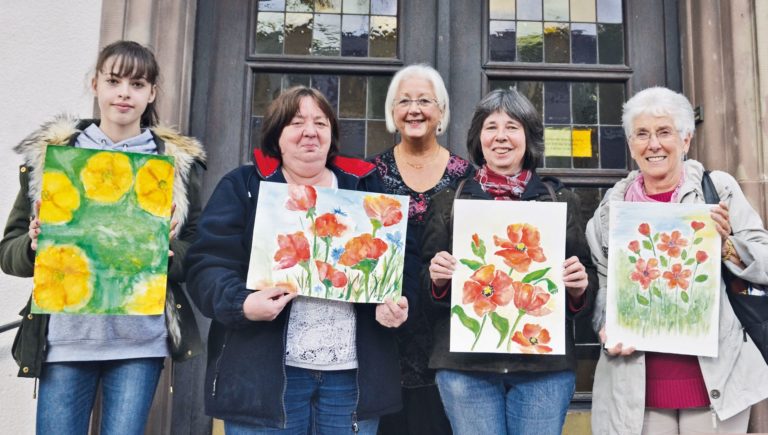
(321, 335)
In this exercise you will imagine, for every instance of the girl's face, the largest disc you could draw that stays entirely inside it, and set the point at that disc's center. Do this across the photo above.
(503, 143)
(122, 100)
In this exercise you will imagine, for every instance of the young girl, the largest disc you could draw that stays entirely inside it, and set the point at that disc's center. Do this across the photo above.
(72, 354)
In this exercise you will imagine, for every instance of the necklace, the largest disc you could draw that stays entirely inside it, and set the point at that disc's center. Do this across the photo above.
(428, 160)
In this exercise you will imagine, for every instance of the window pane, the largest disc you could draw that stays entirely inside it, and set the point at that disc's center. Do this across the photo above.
(611, 43)
(613, 148)
(352, 93)
(585, 149)
(356, 6)
(352, 137)
(556, 10)
(528, 9)
(557, 103)
(502, 41)
(265, 88)
(383, 37)
(377, 95)
(584, 103)
(299, 5)
(329, 86)
(325, 38)
(328, 6)
(583, 10)
(298, 33)
(269, 33)
(271, 5)
(529, 42)
(611, 99)
(584, 40)
(502, 9)
(354, 35)
(384, 7)
(609, 11)
(378, 138)
(290, 80)
(557, 44)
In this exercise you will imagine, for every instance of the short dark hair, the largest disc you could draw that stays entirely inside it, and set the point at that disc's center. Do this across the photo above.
(134, 61)
(518, 108)
(282, 110)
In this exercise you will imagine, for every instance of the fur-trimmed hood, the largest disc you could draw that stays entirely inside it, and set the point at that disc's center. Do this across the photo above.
(63, 129)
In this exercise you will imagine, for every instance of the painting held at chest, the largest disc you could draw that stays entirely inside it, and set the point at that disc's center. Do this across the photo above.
(328, 243)
(663, 278)
(507, 293)
(105, 226)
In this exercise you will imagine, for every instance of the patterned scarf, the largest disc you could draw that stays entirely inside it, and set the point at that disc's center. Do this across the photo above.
(636, 191)
(503, 187)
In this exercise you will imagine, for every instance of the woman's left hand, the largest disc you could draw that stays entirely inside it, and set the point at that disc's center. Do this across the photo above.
(392, 314)
(575, 277)
(722, 221)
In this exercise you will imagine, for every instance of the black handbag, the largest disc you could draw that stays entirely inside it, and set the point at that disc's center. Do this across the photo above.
(751, 310)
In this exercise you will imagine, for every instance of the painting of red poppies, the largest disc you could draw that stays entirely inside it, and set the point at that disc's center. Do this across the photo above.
(105, 223)
(329, 243)
(507, 293)
(663, 290)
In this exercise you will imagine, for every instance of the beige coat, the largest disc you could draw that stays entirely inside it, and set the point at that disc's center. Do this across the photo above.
(738, 377)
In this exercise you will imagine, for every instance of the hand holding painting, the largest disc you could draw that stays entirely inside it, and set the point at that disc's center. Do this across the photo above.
(34, 226)
(441, 268)
(615, 350)
(392, 314)
(266, 304)
(575, 277)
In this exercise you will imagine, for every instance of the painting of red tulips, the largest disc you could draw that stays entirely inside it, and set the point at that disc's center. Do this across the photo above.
(507, 294)
(663, 278)
(329, 243)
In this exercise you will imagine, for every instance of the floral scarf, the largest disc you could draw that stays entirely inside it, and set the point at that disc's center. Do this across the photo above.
(503, 187)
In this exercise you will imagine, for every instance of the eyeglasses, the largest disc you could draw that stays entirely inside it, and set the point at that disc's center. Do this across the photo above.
(664, 136)
(421, 102)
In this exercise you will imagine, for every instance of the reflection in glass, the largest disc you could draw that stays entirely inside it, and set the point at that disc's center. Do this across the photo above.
(610, 42)
(271, 5)
(502, 9)
(383, 37)
(556, 10)
(356, 6)
(583, 10)
(299, 5)
(529, 42)
(298, 33)
(290, 80)
(502, 41)
(534, 91)
(378, 138)
(609, 11)
(557, 103)
(613, 148)
(584, 42)
(383, 7)
(329, 86)
(265, 88)
(584, 102)
(352, 91)
(328, 6)
(269, 33)
(585, 150)
(325, 36)
(377, 94)
(354, 35)
(611, 100)
(529, 10)
(557, 43)
(352, 138)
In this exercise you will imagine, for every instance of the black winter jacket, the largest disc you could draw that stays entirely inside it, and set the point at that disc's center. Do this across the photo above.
(438, 236)
(245, 377)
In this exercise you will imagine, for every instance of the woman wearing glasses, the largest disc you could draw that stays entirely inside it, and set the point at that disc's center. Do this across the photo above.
(654, 393)
(419, 167)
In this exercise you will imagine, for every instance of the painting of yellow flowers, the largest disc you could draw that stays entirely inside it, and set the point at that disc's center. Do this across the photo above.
(329, 243)
(663, 290)
(105, 225)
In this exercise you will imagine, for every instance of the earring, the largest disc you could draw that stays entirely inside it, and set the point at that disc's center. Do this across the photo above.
(440, 127)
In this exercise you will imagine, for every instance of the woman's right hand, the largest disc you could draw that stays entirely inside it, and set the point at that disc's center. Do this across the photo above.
(266, 304)
(441, 268)
(34, 226)
(615, 350)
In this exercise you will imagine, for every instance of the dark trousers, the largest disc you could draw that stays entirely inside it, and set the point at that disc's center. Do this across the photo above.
(422, 414)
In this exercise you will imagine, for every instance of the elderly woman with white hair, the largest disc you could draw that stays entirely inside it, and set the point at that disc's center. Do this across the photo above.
(659, 393)
(419, 167)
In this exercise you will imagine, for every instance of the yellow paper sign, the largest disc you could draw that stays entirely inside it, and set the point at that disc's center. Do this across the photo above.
(582, 143)
(557, 142)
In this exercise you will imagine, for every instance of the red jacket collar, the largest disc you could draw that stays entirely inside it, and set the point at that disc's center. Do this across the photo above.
(267, 165)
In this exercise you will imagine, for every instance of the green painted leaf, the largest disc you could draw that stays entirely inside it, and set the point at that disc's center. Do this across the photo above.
(551, 286)
(470, 323)
(701, 278)
(472, 264)
(684, 296)
(656, 292)
(690, 261)
(663, 260)
(656, 237)
(536, 274)
(684, 255)
(632, 259)
(698, 240)
(647, 245)
(501, 324)
(478, 250)
(642, 300)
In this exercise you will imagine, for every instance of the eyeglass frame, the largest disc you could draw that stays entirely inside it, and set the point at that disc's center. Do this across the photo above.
(665, 140)
(421, 103)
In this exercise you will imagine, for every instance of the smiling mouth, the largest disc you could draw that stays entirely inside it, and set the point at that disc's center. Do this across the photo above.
(655, 159)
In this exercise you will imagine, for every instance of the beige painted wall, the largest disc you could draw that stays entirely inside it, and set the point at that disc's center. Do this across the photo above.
(48, 48)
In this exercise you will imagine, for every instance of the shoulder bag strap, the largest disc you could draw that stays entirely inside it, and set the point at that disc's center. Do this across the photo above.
(710, 192)
(551, 190)
(459, 188)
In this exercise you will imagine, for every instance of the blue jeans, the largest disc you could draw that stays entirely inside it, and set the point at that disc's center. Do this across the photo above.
(68, 390)
(316, 402)
(523, 403)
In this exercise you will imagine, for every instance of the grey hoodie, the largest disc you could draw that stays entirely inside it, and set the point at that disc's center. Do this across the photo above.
(103, 337)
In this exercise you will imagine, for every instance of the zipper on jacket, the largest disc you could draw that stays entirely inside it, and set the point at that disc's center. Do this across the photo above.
(218, 362)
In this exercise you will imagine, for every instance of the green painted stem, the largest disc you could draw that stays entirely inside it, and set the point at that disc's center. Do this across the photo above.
(479, 331)
(520, 314)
